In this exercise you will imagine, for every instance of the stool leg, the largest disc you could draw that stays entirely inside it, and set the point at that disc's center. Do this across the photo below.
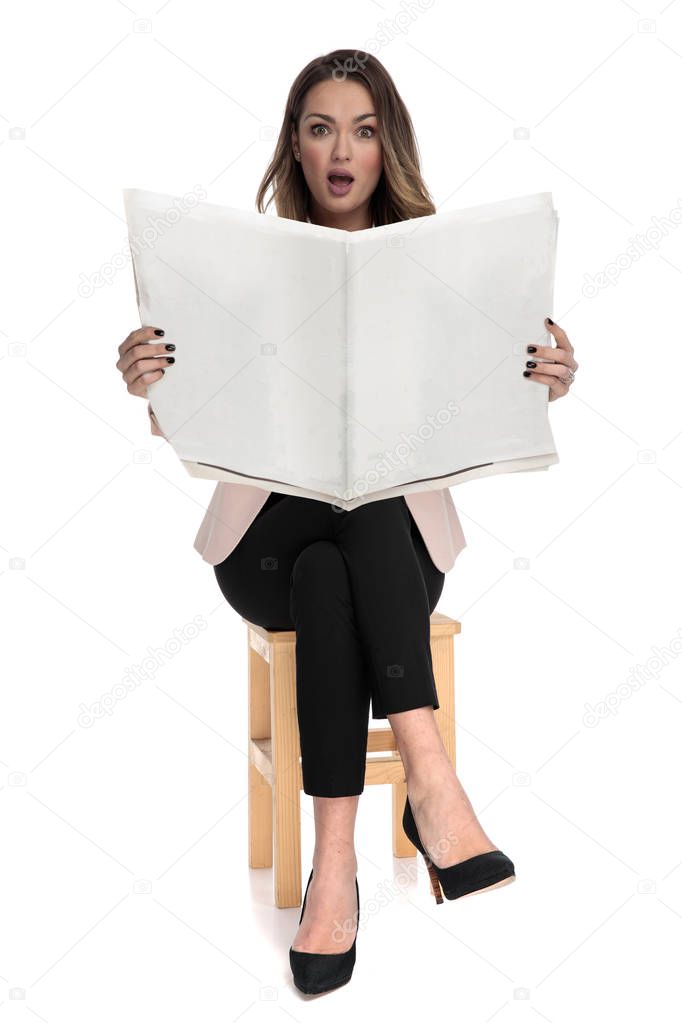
(260, 793)
(443, 657)
(260, 820)
(286, 773)
(401, 843)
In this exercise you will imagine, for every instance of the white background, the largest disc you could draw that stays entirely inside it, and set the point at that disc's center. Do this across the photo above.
(98, 519)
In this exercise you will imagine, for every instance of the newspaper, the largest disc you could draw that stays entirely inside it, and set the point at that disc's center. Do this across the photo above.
(348, 366)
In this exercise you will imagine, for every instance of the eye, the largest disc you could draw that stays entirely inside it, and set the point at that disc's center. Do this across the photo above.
(365, 127)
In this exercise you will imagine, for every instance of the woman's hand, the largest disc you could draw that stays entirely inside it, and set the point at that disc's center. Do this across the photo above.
(559, 373)
(139, 360)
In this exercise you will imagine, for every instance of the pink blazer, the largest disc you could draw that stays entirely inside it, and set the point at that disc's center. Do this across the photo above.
(234, 506)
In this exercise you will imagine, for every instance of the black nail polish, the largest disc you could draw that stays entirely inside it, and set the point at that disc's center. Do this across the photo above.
(551, 322)
(170, 358)
(159, 333)
(170, 348)
(531, 348)
(531, 365)
(526, 372)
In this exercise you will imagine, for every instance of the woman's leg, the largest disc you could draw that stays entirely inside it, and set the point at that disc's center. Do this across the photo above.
(395, 587)
(443, 813)
(332, 694)
(285, 574)
(445, 819)
(328, 925)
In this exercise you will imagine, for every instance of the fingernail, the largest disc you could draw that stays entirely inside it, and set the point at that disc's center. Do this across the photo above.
(531, 348)
(532, 365)
(170, 348)
(526, 372)
(159, 333)
(171, 358)
(551, 322)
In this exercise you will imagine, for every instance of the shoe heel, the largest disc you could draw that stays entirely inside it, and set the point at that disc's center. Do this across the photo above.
(479, 873)
(435, 883)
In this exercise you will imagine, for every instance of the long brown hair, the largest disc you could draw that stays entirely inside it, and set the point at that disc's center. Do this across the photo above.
(400, 193)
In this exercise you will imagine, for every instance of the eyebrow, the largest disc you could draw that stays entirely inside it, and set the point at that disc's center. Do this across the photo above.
(332, 120)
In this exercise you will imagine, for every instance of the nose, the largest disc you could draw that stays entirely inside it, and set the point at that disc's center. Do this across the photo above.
(342, 149)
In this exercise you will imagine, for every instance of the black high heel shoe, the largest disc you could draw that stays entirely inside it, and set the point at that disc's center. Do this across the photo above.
(315, 972)
(487, 870)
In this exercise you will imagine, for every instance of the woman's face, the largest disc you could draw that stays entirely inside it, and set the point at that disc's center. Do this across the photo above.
(335, 134)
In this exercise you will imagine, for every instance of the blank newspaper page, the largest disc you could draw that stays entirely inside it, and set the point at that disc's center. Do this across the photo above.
(441, 309)
(256, 306)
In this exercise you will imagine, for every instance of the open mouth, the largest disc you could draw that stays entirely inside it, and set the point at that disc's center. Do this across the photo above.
(340, 183)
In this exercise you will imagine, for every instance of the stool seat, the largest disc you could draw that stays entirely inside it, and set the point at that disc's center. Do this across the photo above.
(275, 778)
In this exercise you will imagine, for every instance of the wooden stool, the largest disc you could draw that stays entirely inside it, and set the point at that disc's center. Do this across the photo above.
(275, 779)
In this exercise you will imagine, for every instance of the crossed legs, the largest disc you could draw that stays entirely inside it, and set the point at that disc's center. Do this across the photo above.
(444, 815)
(368, 584)
(359, 588)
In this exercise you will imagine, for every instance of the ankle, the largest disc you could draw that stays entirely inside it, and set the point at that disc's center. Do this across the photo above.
(432, 773)
(334, 861)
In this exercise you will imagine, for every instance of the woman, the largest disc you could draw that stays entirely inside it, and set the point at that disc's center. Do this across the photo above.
(357, 586)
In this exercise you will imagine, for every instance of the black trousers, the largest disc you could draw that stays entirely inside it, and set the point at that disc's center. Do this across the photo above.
(358, 587)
